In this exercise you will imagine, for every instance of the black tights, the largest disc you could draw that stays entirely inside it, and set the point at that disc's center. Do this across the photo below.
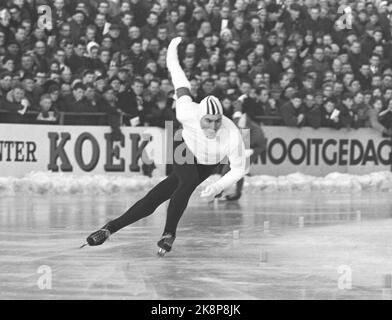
(178, 187)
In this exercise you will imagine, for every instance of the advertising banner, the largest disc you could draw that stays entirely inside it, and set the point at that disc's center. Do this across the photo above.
(90, 150)
(78, 149)
(318, 152)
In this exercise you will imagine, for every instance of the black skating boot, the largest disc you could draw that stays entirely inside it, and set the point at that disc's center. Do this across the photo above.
(233, 197)
(98, 237)
(238, 191)
(166, 243)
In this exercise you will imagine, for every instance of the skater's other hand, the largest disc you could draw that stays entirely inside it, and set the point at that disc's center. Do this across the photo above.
(210, 191)
(249, 152)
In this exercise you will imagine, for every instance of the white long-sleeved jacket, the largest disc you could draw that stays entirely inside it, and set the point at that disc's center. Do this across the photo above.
(227, 145)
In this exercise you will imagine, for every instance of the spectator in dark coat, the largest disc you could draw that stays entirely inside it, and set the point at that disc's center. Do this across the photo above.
(161, 112)
(46, 112)
(239, 32)
(348, 114)
(254, 107)
(205, 89)
(140, 10)
(293, 22)
(228, 106)
(60, 15)
(118, 43)
(15, 101)
(273, 67)
(319, 63)
(361, 109)
(102, 25)
(313, 21)
(5, 83)
(330, 115)
(385, 116)
(150, 29)
(40, 56)
(364, 77)
(138, 58)
(266, 104)
(356, 58)
(91, 97)
(77, 25)
(132, 103)
(32, 92)
(292, 112)
(376, 121)
(77, 62)
(312, 111)
(5, 27)
(107, 103)
(195, 22)
(77, 102)
(59, 103)
(223, 21)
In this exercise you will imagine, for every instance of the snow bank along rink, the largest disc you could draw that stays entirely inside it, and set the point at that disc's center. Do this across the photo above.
(64, 183)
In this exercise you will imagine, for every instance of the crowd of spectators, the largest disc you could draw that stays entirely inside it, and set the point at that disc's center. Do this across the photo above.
(306, 62)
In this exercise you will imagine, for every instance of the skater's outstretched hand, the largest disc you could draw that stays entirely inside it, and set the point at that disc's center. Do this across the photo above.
(210, 191)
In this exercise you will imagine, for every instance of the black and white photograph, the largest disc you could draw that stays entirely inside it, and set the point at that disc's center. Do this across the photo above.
(207, 151)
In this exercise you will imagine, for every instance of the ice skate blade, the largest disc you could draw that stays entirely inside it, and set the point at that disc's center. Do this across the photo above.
(83, 245)
(161, 253)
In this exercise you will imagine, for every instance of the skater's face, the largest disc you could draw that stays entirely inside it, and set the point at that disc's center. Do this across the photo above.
(210, 124)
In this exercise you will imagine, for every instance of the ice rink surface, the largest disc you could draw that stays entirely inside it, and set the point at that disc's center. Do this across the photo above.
(265, 246)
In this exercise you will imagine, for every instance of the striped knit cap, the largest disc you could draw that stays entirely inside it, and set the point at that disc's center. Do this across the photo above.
(210, 105)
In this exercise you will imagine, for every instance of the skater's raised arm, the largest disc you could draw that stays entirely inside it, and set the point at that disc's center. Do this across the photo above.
(182, 86)
(181, 83)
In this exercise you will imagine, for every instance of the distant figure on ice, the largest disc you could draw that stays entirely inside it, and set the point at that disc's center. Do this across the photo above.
(208, 139)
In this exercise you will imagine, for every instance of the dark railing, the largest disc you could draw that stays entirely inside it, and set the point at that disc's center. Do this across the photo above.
(270, 120)
(93, 119)
(85, 118)
(64, 118)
